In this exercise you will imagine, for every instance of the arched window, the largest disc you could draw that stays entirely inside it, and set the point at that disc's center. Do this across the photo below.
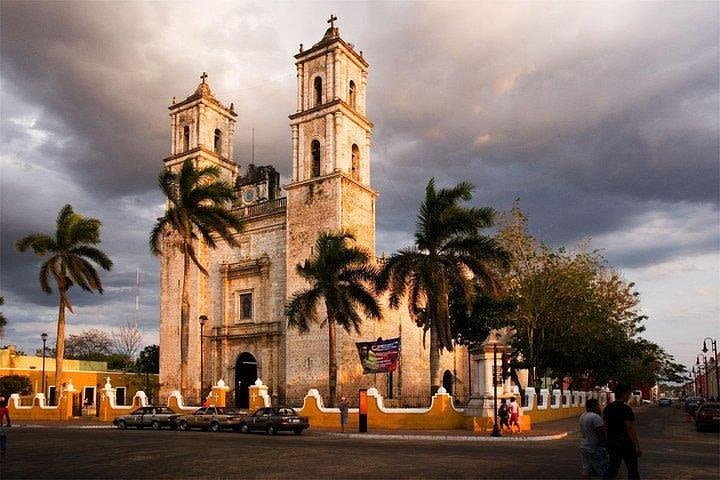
(355, 173)
(351, 94)
(186, 138)
(315, 151)
(218, 141)
(318, 91)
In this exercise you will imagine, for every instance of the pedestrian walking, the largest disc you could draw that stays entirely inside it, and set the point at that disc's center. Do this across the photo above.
(4, 414)
(592, 441)
(504, 416)
(344, 412)
(514, 411)
(622, 439)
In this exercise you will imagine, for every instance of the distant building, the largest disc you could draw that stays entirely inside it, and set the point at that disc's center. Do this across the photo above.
(245, 293)
(88, 378)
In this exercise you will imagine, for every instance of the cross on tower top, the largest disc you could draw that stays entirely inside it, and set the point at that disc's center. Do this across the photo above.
(332, 20)
(203, 77)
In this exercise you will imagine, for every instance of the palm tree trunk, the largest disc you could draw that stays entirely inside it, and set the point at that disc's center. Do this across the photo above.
(332, 364)
(184, 325)
(60, 344)
(434, 360)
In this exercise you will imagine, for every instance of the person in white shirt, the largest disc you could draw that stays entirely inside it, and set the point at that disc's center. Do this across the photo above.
(592, 440)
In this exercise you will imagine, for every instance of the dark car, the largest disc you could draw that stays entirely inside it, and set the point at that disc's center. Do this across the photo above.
(665, 402)
(707, 416)
(692, 404)
(150, 416)
(274, 419)
(211, 418)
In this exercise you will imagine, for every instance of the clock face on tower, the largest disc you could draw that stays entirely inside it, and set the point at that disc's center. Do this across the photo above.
(249, 195)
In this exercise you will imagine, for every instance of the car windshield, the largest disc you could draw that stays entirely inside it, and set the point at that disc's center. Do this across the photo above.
(285, 411)
(710, 407)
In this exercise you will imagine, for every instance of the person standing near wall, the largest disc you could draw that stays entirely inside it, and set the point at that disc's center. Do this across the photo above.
(4, 414)
(514, 411)
(344, 412)
(592, 439)
(622, 439)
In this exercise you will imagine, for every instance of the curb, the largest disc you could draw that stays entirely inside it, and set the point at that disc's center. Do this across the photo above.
(448, 438)
(74, 427)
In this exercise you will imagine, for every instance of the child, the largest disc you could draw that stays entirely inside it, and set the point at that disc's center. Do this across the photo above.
(514, 410)
(504, 415)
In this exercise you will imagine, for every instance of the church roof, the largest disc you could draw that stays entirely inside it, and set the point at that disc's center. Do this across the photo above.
(332, 35)
(203, 92)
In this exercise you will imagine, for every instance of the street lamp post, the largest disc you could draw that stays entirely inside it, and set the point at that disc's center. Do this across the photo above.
(44, 339)
(694, 380)
(713, 345)
(203, 319)
(496, 428)
(704, 364)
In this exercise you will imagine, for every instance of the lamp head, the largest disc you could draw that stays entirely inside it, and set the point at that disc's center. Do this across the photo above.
(44, 336)
(203, 319)
(705, 349)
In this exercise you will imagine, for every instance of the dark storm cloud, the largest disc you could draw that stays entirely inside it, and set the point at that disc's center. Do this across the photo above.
(602, 118)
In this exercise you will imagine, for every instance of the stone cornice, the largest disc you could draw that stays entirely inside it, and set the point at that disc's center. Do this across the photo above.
(331, 108)
(324, 46)
(336, 174)
(195, 152)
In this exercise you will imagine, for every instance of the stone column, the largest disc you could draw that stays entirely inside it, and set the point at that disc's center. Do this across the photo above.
(365, 160)
(339, 156)
(363, 94)
(330, 145)
(295, 165)
(173, 134)
(230, 137)
(330, 77)
(301, 153)
(299, 87)
(337, 71)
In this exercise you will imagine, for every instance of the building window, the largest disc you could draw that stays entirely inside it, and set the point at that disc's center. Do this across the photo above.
(89, 396)
(318, 91)
(315, 151)
(51, 395)
(246, 306)
(120, 396)
(355, 173)
(218, 141)
(186, 138)
(351, 94)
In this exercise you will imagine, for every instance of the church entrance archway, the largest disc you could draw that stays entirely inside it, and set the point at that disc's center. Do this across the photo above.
(245, 375)
(448, 382)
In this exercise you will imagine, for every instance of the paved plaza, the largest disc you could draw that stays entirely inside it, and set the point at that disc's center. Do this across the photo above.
(671, 449)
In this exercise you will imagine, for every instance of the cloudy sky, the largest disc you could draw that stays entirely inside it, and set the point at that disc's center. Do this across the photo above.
(601, 117)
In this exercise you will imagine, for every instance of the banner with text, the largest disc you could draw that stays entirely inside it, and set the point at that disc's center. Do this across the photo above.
(379, 356)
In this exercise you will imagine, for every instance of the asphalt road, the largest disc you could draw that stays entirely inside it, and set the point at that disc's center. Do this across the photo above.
(671, 449)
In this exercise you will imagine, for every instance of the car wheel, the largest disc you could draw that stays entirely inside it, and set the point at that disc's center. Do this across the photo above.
(215, 426)
(244, 428)
(156, 425)
(297, 431)
(122, 425)
(183, 425)
(270, 430)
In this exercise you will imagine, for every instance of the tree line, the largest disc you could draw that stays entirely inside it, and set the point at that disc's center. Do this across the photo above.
(574, 316)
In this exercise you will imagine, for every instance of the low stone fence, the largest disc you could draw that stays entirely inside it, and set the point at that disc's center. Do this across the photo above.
(560, 404)
(39, 410)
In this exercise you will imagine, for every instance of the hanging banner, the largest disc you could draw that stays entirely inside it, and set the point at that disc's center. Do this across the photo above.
(380, 356)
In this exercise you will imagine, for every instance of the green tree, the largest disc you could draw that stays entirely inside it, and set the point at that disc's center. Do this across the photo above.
(10, 384)
(338, 275)
(71, 253)
(197, 210)
(448, 246)
(148, 360)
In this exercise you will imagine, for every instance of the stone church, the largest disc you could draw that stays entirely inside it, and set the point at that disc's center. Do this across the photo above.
(246, 335)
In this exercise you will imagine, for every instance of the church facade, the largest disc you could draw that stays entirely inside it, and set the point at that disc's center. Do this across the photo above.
(246, 335)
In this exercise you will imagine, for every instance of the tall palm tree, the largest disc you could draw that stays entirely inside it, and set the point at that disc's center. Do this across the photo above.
(70, 253)
(197, 204)
(448, 248)
(338, 274)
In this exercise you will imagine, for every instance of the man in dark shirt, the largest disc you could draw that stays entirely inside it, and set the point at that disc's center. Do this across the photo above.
(622, 440)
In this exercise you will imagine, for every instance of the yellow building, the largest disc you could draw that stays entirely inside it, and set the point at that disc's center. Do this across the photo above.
(88, 377)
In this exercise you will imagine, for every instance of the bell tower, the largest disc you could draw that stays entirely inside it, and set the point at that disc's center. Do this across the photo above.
(330, 187)
(203, 129)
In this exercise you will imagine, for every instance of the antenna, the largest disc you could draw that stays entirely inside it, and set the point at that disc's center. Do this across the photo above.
(252, 151)
(137, 292)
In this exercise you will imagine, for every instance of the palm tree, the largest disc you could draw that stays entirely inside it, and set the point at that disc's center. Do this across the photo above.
(3, 320)
(197, 203)
(449, 250)
(70, 252)
(337, 273)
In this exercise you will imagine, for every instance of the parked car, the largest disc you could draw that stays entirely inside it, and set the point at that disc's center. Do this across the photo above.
(150, 416)
(211, 418)
(692, 404)
(665, 402)
(707, 416)
(274, 419)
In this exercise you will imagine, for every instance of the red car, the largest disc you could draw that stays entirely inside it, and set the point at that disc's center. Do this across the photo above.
(707, 416)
